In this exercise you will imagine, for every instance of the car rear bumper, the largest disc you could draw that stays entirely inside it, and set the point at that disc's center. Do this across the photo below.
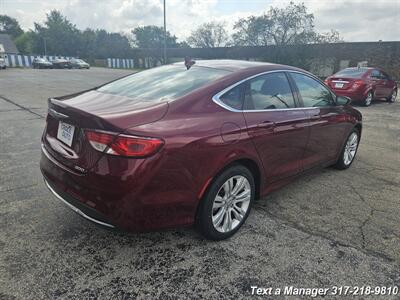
(356, 95)
(81, 209)
(139, 197)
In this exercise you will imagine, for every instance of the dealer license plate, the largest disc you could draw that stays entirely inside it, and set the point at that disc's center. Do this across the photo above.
(339, 85)
(65, 133)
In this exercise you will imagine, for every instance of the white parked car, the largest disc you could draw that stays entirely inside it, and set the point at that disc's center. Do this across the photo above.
(2, 62)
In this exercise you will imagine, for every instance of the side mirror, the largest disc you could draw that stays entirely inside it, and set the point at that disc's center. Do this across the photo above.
(342, 100)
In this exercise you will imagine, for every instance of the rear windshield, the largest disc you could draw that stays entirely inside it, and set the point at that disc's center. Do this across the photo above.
(163, 83)
(352, 73)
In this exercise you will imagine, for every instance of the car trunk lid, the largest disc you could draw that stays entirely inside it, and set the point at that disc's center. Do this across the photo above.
(341, 83)
(96, 111)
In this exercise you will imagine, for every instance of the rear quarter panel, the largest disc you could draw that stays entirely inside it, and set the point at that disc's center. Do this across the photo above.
(201, 138)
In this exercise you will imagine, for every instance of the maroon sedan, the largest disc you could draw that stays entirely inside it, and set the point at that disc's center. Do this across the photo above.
(170, 147)
(363, 85)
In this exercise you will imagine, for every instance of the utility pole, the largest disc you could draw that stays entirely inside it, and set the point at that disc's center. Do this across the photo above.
(165, 36)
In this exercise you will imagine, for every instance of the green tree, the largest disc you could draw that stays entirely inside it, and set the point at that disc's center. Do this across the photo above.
(291, 25)
(60, 35)
(280, 26)
(111, 45)
(152, 37)
(10, 26)
(27, 42)
(331, 36)
(252, 31)
(87, 44)
(209, 35)
(183, 44)
(150, 40)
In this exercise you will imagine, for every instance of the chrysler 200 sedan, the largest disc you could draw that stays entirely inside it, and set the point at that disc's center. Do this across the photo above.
(195, 145)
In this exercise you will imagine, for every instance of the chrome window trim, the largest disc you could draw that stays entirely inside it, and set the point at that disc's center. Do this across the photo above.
(75, 209)
(218, 101)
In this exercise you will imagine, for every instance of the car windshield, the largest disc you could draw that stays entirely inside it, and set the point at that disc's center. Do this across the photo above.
(163, 83)
(78, 61)
(352, 73)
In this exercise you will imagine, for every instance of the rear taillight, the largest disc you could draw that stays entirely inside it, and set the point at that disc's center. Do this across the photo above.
(357, 84)
(123, 145)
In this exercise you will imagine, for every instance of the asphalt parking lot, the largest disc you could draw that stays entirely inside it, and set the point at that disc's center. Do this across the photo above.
(328, 228)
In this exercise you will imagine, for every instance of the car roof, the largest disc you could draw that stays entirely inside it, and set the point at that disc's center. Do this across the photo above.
(229, 64)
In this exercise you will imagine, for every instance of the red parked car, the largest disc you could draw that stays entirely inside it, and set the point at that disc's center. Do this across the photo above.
(170, 147)
(363, 85)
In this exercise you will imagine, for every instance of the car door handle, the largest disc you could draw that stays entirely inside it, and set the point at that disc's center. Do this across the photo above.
(266, 125)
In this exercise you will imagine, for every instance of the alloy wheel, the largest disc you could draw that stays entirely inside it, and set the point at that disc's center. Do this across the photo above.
(350, 149)
(368, 100)
(394, 95)
(231, 204)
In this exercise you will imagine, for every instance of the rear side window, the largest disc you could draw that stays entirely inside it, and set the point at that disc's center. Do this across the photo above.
(269, 91)
(233, 98)
(375, 74)
(163, 83)
(352, 73)
(313, 93)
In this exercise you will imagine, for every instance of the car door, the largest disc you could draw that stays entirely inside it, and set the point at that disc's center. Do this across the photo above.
(327, 128)
(377, 83)
(387, 85)
(275, 123)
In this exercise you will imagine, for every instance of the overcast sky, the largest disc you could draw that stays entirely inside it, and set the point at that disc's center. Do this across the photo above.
(356, 20)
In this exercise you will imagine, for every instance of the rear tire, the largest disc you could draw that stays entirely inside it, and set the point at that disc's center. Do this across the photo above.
(226, 204)
(368, 98)
(349, 150)
(392, 97)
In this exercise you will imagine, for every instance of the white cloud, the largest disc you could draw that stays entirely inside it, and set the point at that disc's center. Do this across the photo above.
(359, 20)
(356, 20)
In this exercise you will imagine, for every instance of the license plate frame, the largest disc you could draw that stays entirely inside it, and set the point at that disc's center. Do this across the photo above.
(65, 133)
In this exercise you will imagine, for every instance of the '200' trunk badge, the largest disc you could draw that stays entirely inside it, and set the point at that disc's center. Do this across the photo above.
(80, 169)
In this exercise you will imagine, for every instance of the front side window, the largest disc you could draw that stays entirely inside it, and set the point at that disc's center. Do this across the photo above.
(269, 91)
(163, 83)
(313, 93)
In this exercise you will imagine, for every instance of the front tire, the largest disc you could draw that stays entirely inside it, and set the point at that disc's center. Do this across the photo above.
(368, 99)
(349, 150)
(226, 204)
